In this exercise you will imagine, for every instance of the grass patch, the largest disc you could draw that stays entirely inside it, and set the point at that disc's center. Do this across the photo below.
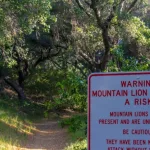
(16, 122)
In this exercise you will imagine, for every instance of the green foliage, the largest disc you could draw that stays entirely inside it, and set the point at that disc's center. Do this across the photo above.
(77, 126)
(72, 90)
(79, 145)
(34, 111)
(135, 29)
(44, 82)
(20, 17)
(79, 38)
(71, 93)
(90, 35)
(75, 123)
(58, 89)
(14, 124)
(122, 62)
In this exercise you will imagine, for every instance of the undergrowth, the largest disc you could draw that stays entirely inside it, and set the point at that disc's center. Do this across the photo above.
(78, 145)
(77, 127)
(15, 123)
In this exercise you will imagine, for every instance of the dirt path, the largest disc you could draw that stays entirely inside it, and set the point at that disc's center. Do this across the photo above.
(47, 136)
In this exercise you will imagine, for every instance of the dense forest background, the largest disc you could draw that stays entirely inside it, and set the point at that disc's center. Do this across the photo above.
(49, 47)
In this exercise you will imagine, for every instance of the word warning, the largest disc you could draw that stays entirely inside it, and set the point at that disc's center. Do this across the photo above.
(119, 111)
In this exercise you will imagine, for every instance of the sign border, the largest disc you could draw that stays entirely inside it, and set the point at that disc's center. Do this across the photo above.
(89, 95)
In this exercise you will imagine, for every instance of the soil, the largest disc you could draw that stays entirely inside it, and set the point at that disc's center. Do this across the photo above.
(48, 135)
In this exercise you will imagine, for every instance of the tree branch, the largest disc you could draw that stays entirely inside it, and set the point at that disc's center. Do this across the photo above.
(16, 87)
(43, 58)
(85, 57)
(82, 8)
(87, 3)
(112, 13)
(131, 6)
(15, 54)
(97, 13)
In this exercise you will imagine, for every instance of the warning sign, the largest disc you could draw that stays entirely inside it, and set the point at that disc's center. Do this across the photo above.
(119, 111)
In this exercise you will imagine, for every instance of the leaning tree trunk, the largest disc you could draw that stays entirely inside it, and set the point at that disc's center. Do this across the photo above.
(17, 88)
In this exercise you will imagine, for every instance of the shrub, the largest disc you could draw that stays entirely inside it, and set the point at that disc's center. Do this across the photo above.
(71, 94)
(77, 126)
(79, 145)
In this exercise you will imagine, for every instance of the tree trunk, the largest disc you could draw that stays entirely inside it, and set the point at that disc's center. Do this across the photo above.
(21, 78)
(17, 88)
(106, 41)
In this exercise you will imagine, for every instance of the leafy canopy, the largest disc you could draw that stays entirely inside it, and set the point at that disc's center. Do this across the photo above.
(19, 17)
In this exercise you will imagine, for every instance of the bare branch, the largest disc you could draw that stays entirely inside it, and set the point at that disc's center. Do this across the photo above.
(97, 13)
(85, 57)
(82, 7)
(87, 3)
(132, 6)
(122, 5)
(61, 46)
(43, 58)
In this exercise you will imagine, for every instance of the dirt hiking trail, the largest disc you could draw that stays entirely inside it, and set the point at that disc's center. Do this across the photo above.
(48, 135)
